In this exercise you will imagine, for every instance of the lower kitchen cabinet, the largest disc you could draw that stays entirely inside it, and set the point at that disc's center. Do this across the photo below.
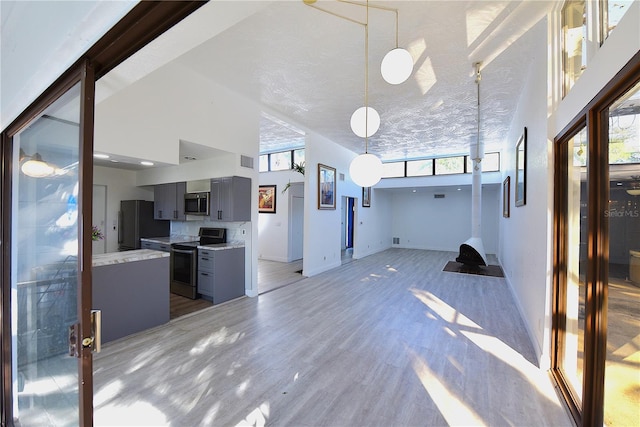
(221, 274)
(156, 246)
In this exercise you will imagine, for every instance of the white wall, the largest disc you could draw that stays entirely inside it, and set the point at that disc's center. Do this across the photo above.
(322, 228)
(525, 235)
(421, 221)
(373, 225)
(149, 118)
(226, 164)
(121, 185)
(526, 238)
(273, 229)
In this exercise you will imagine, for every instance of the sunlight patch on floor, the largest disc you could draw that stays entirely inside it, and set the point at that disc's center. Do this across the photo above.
(216, 339)
(49, 385)
(138, 414)
(142, 359)
(515, 360)
(256, 418)
(454, 410)
(107, 392)
(442, 309)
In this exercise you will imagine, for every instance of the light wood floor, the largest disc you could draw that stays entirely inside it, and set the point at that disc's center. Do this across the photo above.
(387, 340)
(274, 275)
(181, 306)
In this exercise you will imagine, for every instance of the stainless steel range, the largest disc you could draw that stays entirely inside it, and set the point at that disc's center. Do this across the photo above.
(184, 261)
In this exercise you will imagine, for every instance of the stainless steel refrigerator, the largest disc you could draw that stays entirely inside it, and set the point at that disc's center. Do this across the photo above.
(135, 221)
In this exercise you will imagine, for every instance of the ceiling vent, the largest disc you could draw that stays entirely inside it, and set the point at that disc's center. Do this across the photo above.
(438, 196)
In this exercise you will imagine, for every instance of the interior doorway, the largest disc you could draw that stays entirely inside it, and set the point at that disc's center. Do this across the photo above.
(348, 226)
(296, 221)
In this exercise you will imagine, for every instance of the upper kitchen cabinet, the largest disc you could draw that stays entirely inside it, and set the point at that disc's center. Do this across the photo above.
(169, 201)
(231, 199)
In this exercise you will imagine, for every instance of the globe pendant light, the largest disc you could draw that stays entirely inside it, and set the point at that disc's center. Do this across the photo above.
(397, 66)
(365, 122)
(366, 169)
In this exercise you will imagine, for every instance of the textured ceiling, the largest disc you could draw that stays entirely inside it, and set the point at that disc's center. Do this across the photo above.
(306, 68)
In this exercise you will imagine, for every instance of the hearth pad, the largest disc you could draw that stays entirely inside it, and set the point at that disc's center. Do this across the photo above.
(488, 270)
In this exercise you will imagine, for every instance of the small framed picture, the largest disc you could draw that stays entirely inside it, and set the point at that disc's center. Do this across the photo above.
(267, 199)
(506, 196)
(366, 197)
(326, 187)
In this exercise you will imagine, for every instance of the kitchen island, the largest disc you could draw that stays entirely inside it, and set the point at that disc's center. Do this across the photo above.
(131, 288)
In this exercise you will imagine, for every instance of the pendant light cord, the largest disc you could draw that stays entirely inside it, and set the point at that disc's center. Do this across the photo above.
(389, 9)
(477, 159)
(366, 82)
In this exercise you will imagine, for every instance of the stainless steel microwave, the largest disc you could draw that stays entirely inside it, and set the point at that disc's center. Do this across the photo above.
(196, 203)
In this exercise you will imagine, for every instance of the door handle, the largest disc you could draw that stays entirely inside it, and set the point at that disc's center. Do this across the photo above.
(94, 341)
(96, 330)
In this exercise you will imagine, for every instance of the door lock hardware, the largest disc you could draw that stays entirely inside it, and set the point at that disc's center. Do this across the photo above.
(96, 330)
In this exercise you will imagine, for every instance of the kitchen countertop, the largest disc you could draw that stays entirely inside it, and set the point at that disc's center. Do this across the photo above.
(221, 246)
(127, 256)
(170, 239)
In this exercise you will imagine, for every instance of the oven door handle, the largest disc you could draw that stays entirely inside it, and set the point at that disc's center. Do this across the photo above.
(183, 251)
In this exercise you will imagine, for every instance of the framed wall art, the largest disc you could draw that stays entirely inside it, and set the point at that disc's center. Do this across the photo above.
(267, 199)
(506, 197)
(326, 187)
(521, 169)
(366, 197)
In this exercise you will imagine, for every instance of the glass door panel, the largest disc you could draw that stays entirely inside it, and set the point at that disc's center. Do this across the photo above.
(45, 265)
(622, 367)
(572, 353)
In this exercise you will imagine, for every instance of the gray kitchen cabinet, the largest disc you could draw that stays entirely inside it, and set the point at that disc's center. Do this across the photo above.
(221, 274)
(156, 246)
(231, 199)
(169, 201)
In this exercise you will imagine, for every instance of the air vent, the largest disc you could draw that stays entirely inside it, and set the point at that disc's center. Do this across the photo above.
(341, 177)
(396, 240)
(246, 162)
(438, 196)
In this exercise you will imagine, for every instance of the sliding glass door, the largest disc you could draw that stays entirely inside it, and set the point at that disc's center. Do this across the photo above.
(47, 336)
(622, 365)
(44, 264)
(574, 251)
(596, 327)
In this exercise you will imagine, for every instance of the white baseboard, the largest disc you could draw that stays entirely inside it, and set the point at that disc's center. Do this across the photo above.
(543, 360)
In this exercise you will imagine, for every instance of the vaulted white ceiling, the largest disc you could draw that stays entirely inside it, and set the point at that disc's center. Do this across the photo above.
(306, 68)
